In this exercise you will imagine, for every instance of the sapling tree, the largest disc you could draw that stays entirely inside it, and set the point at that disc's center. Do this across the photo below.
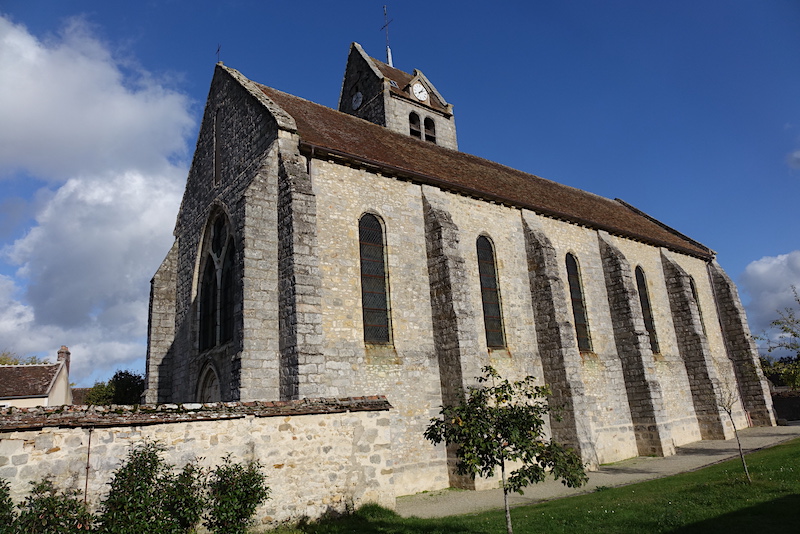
(499, 422)
(727, 400)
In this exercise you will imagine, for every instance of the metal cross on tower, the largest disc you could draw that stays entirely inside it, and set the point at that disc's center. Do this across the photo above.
(385, 26)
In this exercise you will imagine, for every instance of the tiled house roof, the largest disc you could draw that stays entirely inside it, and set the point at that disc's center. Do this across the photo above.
(27, 380)
(325, 131)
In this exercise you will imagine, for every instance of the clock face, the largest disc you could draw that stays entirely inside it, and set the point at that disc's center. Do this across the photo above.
(420, 92)
(358, 98)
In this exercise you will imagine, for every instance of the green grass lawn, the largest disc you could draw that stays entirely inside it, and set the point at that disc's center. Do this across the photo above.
(714, 499)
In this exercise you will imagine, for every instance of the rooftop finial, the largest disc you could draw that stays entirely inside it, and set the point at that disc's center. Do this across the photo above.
(385, 26)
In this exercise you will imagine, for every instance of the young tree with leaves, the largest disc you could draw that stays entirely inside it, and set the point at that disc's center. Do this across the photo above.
(499, 422)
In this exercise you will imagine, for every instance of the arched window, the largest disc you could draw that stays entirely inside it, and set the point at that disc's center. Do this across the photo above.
(208, 386)
(374, 294)
(430, 130)
(217, 286)
(697, 302)
(490, 294)
(579, 314)
(647, 311)
(414, 125)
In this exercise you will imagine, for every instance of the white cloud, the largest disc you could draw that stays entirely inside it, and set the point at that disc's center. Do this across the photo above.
(768, 284)
(67, 107)
(106, 143)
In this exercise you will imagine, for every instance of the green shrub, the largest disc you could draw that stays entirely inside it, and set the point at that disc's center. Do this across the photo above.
(185, 495)
(7, 514)
(235, 491)
(146, 496)
(47, 511)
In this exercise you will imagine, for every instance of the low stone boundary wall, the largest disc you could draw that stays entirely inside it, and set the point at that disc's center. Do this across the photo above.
(787, 405)
(321, 456)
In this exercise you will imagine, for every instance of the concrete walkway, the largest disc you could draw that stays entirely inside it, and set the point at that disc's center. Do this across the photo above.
(689, 457)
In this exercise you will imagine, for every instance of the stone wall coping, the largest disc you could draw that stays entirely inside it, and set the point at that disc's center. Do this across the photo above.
(73, 416)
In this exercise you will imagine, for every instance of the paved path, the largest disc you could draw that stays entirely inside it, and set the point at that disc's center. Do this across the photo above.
(689, 457)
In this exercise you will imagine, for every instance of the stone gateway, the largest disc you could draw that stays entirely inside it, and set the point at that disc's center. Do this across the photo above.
(323, 253)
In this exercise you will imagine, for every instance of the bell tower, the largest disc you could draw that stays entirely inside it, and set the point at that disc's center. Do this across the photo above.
(405, 103)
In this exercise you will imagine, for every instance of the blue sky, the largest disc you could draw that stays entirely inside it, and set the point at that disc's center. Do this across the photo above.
(689, 110)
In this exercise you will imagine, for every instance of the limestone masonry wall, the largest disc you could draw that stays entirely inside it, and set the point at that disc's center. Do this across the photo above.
(320, 455)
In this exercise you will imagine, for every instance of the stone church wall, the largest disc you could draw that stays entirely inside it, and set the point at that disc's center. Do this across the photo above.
(320, 456)
(407, 371)
(233, 142)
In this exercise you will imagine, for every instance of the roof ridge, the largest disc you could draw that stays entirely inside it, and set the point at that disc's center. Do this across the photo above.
(349, 137)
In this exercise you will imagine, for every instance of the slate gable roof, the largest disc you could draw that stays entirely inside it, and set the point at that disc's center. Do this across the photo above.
(323, 130)
(27, 380)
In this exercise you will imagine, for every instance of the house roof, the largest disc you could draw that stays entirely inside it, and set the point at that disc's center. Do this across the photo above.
(27, 380)
(323, 130)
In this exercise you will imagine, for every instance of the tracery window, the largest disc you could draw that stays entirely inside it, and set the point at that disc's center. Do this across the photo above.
(647, 311)
(217, 286)
(415, 127)
(430, 130)
(490, 294)
(579, 314)
(374, 287)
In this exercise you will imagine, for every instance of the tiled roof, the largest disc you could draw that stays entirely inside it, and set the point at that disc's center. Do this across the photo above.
(27, 380)
(402, 79)
(326, 130)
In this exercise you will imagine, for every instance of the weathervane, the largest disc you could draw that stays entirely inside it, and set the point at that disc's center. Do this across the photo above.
(385, 26)
(219, 47)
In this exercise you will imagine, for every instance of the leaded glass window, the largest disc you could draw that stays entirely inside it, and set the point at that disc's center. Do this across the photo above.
(579, 314)
(374, 294)
(217, 286)
(490, 294)
(647, 311)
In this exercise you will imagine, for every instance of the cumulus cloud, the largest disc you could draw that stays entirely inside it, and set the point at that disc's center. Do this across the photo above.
(67, 107)
(767, 285)
(107, 142)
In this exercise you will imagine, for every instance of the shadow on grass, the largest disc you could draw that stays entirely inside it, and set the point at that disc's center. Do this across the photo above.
(374, 519)
(777, 515)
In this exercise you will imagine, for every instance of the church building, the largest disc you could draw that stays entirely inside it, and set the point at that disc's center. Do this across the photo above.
(357, 252)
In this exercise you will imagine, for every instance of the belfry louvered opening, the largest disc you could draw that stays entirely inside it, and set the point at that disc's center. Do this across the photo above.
(490, 294)
(374, 294)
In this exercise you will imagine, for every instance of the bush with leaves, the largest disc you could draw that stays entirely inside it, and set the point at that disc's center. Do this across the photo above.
(7, 514)
(146, 496)
(235, 491)
(48, 511)
(499, 422)
(185, 495)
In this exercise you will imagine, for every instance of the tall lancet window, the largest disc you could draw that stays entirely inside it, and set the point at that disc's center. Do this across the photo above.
(490, 294)
(647, 310)
(374, 287)
(217, 286)
(579, 314)
(697, 302)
